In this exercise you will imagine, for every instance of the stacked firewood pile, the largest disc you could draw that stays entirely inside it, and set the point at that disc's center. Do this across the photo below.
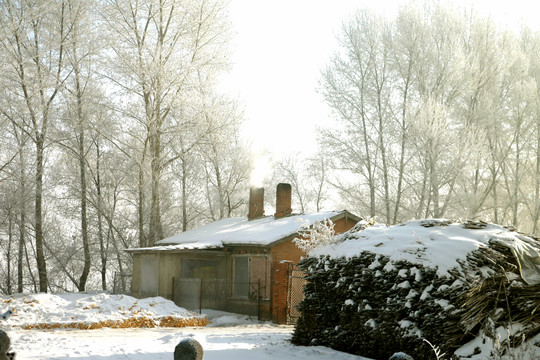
(374, 306)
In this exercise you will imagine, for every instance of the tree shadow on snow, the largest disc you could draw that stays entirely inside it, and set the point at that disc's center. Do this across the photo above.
(130, 356)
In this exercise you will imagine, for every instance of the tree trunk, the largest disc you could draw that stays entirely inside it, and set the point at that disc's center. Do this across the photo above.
(536, 202)
(84, 220)
(515, 194)
(219, 184)
(20, 254)
(155, 230)
(82, 171)
(40, 256)
(102, 249)
(22, 224)
(184, 196)
(403, 143)
(8, 254)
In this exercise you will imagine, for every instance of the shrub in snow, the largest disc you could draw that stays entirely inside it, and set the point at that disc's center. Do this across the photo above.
(322, 233)
(319, 234)
(188, 349)
(385, 289)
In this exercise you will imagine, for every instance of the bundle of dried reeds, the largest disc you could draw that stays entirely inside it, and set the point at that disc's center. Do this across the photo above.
(133, 322)
(497, 296)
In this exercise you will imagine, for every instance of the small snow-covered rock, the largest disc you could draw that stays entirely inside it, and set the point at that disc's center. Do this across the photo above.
(401, 356)
(188, 349)
(6, 315)
(4, 344)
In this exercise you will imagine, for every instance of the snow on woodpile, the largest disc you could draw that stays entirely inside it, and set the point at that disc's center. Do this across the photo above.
(94, 311)
(470, 288)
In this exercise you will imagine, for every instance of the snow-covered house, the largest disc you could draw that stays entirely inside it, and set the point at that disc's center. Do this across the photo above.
(234, 264)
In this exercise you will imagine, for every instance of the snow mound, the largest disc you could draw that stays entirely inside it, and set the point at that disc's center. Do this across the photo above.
(220, 318)
(94, 311)
(437, 243)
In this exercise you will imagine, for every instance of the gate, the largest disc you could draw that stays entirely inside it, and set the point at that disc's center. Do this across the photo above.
(295, 293)
(197, 294)
(122, 283)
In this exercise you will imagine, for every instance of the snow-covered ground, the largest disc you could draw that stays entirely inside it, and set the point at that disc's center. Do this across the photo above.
(228, 336)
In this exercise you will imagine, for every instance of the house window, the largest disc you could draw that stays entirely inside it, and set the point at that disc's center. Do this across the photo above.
(199, 269)
(241, 276)
(149, 275)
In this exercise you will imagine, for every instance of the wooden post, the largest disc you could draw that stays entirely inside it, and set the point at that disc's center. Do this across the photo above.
(173, 283)
(200, 296)
(259, 299)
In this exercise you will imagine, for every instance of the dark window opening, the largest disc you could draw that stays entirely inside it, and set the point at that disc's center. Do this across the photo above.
(199, 269)
(241, 276)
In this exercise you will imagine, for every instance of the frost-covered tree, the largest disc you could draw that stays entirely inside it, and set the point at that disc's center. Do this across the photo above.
(308, 178)
(356, 86)
(162, 49)
(105, 122)
(32, 39)
(225, 161)
(436, 116)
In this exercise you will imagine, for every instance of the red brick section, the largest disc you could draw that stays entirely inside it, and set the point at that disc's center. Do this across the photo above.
(284, 254)
(283, 200)
(343, 225)
(287, 251)
(280, 290)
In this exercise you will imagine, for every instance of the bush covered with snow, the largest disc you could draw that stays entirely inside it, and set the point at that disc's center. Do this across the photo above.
(384, 290)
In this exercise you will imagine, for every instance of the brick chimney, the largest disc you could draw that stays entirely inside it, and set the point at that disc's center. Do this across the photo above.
(283, 200)
(256, 203)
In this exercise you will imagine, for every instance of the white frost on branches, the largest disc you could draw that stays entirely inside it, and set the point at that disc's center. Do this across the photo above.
(312, 236)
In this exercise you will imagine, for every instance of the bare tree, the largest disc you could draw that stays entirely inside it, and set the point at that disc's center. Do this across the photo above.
(224, 158)
(308, 177)
(164, 45)
(33, 37)
(353, 86)
(81, 49)
(451, 133)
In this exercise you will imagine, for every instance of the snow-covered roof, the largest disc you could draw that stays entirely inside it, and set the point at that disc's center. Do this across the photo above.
(240, 231)
(436, 243)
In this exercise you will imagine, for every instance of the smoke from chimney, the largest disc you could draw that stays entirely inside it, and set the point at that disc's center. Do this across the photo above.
(256, 203)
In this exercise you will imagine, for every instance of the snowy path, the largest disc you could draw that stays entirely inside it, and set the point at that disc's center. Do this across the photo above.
(250, 341)
(228, 336)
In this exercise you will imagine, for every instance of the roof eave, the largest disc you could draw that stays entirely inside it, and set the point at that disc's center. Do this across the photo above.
(156, 250)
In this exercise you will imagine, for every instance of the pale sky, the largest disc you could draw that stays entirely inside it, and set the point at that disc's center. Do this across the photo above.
(279, 48)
